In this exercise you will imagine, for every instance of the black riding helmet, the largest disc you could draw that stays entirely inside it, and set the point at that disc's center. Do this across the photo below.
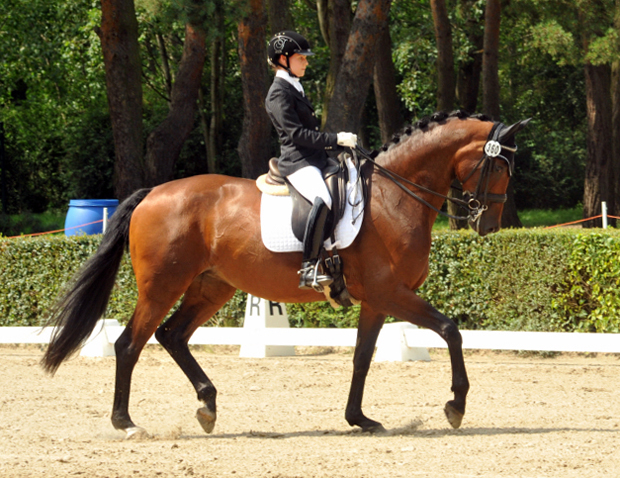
(287, 43)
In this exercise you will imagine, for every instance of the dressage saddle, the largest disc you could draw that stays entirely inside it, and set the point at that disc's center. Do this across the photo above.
(336, 176)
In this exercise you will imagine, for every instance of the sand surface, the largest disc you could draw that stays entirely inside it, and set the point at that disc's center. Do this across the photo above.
(527, 416)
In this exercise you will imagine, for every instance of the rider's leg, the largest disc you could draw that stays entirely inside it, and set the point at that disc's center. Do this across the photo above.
(309, 182)
(313, 241)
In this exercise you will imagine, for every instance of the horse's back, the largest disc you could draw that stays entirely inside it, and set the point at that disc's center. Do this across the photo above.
(182, 218)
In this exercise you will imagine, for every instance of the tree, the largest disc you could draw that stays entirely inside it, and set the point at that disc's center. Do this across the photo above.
(121, 56)
(355, 74)
(384, 83)
(446, 88)
(445, 58)
(491, 90)
(255, 143)
(164, 144)
(213, 139)
(50, 81)
(490, 60)
(280, 17)
(615, 122)
(335, 24)
(599, 180)
(119, 40)
(470, 66)
(586, 37)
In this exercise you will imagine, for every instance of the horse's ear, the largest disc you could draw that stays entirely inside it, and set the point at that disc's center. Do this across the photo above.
(512, 130)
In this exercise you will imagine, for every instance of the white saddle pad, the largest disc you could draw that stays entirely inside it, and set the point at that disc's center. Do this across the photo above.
(275, 219)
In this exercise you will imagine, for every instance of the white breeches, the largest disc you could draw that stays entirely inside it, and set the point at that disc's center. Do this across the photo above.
(310, 184)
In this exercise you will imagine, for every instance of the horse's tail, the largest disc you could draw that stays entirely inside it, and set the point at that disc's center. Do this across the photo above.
(75, 314)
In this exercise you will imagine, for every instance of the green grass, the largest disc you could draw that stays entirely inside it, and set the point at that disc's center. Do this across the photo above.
(29, 223)
(545, 217)
(532, 217)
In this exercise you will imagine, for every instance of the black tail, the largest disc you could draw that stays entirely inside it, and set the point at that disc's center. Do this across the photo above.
(77, 311)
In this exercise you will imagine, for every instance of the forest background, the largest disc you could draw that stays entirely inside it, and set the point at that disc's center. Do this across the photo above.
(98, 98)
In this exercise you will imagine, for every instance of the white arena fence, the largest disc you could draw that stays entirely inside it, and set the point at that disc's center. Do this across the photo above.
(266, 333)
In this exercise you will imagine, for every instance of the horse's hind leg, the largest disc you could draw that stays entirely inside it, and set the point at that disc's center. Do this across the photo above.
(204, 298)
(146, 317)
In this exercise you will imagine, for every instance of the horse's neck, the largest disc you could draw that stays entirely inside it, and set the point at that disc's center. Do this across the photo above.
(424, 160)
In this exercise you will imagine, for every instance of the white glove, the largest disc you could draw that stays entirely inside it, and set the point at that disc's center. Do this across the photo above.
(347, 139)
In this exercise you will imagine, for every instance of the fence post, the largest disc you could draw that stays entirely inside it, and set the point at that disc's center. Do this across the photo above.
(105, 219)
(98, 344)
(261, 314)
(604, 214)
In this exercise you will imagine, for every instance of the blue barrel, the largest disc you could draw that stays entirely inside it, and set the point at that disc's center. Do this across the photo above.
(88, 215)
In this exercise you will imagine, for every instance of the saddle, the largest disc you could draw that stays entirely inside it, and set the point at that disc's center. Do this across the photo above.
(335, 175)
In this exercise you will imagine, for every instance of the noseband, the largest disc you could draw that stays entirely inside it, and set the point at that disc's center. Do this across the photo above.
(476, 202)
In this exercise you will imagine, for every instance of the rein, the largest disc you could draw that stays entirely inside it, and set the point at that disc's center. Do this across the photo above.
(473, 204)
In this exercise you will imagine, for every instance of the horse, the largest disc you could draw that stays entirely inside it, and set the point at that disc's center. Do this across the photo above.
(199, 239)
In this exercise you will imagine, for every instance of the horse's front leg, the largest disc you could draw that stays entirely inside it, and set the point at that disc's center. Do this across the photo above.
(370, 324)
(419, 312)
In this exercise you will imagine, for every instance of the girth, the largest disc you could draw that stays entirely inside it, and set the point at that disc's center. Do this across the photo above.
(336, 176)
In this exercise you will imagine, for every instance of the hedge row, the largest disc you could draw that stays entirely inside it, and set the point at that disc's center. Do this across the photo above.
(514, 280)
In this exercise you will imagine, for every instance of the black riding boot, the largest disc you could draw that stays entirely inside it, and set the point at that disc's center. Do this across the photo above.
(309, 276)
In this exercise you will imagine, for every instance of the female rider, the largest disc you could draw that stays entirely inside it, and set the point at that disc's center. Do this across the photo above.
(302, 146)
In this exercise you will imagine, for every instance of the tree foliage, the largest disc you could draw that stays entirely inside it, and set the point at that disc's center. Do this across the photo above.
(54, 107)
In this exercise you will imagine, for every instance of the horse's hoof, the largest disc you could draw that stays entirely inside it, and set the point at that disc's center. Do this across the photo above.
(375, 427)
(136, 433)
(206, 418)
(455, 418)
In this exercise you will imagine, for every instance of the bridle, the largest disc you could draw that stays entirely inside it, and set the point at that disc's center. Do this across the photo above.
(476, 202)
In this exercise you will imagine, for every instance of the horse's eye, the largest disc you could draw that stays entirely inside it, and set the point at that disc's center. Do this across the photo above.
(499, 167)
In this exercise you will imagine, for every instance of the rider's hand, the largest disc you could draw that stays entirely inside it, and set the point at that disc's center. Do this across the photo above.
(347, 139)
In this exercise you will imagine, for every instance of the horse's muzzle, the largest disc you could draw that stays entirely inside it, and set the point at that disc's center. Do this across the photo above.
(485, 225)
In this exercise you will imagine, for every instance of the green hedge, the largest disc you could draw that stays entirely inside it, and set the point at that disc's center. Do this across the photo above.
(553, 280)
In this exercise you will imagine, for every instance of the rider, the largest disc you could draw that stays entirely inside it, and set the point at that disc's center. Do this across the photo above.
(302, 146)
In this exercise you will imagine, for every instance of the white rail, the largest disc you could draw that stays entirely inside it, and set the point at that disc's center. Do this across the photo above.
(413, 338)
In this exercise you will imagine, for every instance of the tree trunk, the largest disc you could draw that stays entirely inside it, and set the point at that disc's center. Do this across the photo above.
(255, 143)
(335, 23)
(598, 166)
(164, 144)
(469, 70)
(121, 57)
(165, 64)
(614, 186)
(490, 60)
(490, 92)
(384, 81)
(218, 74)
(445, 58)
(279, 16)
(355, 75)
(446, 87)
(614, 193)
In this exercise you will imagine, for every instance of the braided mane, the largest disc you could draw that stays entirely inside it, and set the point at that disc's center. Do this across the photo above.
(424, 123)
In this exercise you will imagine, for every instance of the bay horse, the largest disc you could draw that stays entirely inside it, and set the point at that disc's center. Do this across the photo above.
(199, 238)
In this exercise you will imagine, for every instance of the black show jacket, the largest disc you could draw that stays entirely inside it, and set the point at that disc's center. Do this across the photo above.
(301, 142)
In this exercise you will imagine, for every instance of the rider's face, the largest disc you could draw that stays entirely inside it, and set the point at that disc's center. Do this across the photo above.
(298, 63)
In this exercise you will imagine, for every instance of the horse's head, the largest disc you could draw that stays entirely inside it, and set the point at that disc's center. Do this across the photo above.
(485, 179)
